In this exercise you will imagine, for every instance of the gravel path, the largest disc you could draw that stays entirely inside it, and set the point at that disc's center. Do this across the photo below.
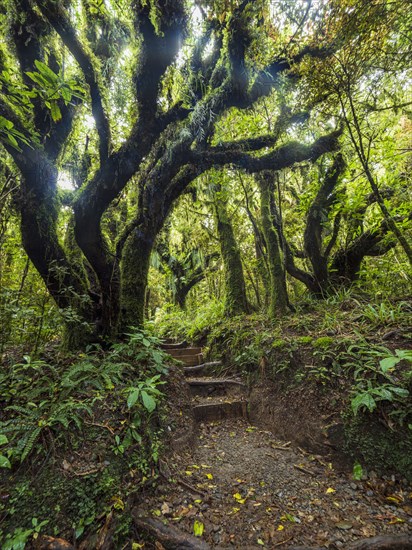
(241, 488)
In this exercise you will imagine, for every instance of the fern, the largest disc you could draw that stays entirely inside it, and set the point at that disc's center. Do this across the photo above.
(31, 440)
(43, 399)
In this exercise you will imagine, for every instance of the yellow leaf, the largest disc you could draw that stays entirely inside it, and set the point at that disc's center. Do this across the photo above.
(280, 528)
(205, 466)
(396, 520)
(397, 500)
(188, 472)
(198, 528)
(118, 503)
(209, 476)
(198, 501)
(156, 513)
(330, 490)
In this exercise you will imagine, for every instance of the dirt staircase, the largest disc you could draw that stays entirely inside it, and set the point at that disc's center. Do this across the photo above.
(214, 398)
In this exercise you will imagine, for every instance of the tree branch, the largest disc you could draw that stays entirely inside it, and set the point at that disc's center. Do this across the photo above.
(282, 157)
(59, 19)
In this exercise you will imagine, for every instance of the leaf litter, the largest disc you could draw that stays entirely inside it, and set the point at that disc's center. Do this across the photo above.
(260, 499)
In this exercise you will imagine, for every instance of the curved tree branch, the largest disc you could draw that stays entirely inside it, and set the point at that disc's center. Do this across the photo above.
(59, 19)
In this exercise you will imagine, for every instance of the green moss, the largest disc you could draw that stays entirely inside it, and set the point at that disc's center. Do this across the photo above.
(323, 342)
(279, 344)
(304, 340)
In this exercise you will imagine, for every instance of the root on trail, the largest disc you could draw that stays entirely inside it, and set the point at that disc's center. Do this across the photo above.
(170, 537)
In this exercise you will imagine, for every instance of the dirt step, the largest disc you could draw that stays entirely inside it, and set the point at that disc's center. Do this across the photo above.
(201, 370)
(220, 410)
(205, 387)
(191, 360)
(183, 351)
(169, 344)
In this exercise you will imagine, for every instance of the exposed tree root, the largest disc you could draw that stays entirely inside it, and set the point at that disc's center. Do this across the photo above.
(170, 537)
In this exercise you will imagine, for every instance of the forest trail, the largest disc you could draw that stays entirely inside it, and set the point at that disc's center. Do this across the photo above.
(240, 487)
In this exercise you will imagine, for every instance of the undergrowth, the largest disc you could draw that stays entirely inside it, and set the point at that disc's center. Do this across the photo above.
(88, 427)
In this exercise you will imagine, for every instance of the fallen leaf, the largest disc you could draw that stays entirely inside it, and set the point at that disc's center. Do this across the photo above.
(345, 525)
(238, 497)
(280, 528)
(188, 473)
(330, 490)
(209, 476)
(198, 528)
(396, 520)
(395, 499)
(165, 509)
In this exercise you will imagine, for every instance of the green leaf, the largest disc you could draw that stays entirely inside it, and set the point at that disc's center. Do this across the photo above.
(401, 392)
(388, 363)
(363, 400)
(6, 123)
(38, 79)
(55, 111)
(4, 462)
(383, 393)
(46, 71)
(133, 397)
(12, 141)
(3, 439)
(148, 401)
(404, 354)
(357, 471)
(66, 94)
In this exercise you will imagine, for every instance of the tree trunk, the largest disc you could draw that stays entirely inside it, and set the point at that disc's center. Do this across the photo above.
(39, 212)
(134, 273)
(235, 288)
(278, 298)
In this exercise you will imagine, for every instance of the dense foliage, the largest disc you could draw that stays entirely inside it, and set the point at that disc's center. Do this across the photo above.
(287, 124)
(231, 172)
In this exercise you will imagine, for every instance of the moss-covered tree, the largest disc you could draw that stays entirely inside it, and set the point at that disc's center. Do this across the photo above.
(178, 77)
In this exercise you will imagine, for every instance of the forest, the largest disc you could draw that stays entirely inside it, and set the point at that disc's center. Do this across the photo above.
(205, 274)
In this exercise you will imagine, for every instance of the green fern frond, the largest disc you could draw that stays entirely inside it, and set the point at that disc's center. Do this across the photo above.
(30, 443)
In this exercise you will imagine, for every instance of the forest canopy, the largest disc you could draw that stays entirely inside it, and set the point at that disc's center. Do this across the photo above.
(156, 152)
